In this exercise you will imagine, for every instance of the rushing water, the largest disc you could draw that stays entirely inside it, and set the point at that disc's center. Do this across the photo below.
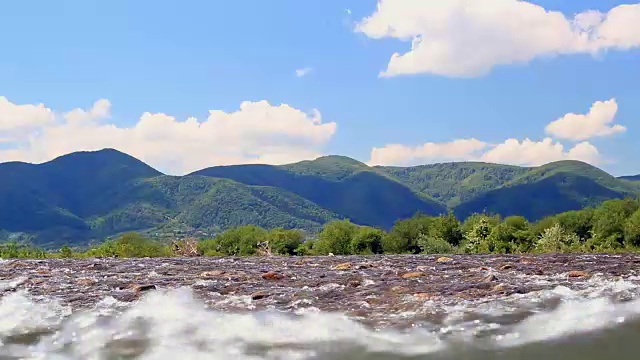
(471, 308)
(598, 322)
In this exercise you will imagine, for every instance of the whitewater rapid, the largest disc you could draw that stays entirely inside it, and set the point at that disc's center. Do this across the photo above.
(565, 307)
(174, 324)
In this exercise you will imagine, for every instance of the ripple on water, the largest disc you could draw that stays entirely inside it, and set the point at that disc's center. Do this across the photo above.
(169, 324)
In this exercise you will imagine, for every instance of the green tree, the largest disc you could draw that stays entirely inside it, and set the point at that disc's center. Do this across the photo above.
(367, 241)
(447, 228)
(240, 241)
(336, 237)
(557, 240)
(609, 222)
(435, 245)
(129, 245)
(66, 252)
(285, 242)
(477, 239)
(578, 222)
(403, 237)
(511, 236)
(632, 230)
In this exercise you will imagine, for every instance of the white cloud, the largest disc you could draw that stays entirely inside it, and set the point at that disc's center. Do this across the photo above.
(582, 127)
(512, 151)
(397, 154)
(467, 38)
(303, 72)
(25, 117)
(535, 153)
(101, 109)
(256, 133)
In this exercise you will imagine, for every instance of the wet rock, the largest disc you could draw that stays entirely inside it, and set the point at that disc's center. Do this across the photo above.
(212, 273)
(444, 259)
(399, 289)
(272, 275)
(85, 282)
(423, 296)
(489, 278)
(577, 274)
(506, 267)
(343, 266)
(412, 275)
(143, 288)
(258, 295)
(500, 287)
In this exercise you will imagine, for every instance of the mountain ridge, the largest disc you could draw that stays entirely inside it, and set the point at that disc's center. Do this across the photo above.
(90, 195)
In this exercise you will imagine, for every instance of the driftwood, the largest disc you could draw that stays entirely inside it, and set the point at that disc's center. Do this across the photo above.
(186, 247)
(264, 249)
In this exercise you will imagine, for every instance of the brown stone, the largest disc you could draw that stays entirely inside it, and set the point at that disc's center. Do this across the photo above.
(412, 275)
(399, 289)
(484, 268)
(212, 273)
(444, 259)
(500, 287)
(142, 288)
(43, 272)
(272, 275)
(577, 274)
(423, 296)
(260, 295)
(85, 282)
(506, 267)
(343, 266)
(489, 278)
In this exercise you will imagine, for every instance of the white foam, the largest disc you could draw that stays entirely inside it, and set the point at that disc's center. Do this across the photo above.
(177, 325)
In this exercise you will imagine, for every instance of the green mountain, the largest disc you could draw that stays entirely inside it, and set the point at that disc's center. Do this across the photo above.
(549, 189)
(338, 184)
(630, 178)
(88, 196)
(454, 183)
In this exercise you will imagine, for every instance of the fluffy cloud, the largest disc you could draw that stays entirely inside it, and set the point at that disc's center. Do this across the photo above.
(582, 127)
(597, 122)
(512, 151)
(15, 117)
(396, 154)
(535, 153)
(257, 132)
(466, 38)
(303, 72)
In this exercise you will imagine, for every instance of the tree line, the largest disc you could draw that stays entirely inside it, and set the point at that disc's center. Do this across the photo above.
(613, 226)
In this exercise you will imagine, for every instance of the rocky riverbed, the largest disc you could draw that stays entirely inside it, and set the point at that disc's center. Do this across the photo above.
(421, 303)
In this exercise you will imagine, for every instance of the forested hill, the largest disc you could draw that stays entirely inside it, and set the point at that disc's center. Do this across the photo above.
(630, 178)
(91, 195)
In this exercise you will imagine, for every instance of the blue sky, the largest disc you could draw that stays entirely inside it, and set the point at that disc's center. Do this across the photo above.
(175, 60)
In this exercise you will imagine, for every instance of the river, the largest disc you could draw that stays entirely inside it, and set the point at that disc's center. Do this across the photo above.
(379, 307)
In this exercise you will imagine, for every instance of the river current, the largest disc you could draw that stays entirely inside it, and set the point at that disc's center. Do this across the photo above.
(61, 315)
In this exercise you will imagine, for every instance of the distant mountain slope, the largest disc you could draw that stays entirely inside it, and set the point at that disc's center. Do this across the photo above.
(630, 178)
(95, 194)
(91, 195)
(453, 183)
(549, 189)
(209, 204)
(62, 191)
(338, 184)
